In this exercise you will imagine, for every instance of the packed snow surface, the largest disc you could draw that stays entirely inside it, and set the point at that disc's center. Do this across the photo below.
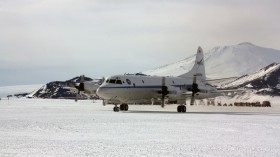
(41, 127)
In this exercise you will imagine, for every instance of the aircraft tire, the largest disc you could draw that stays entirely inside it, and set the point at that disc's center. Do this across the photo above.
(122, 107)
(116, 109)
(125, 107)
(179, 108)
(184, 109)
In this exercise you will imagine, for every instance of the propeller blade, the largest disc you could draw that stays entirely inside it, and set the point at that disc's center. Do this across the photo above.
(194, 90)
(80, 87)
(76, 98)
(103, 80)
(194, 79)
(82, 78)
(82, 84)
(163, 89)
(192, 100)
(162, 102)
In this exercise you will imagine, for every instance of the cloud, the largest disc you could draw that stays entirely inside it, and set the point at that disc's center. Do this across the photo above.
(104, 37)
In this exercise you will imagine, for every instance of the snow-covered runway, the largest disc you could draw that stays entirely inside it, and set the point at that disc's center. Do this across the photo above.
(37, 127)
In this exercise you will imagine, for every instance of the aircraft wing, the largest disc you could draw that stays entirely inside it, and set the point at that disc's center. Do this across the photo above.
(227, 92)
(220, 79)
(188, 93)
(219, 82)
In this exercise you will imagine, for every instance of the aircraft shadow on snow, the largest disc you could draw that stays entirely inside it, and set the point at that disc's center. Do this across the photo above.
(208, 113)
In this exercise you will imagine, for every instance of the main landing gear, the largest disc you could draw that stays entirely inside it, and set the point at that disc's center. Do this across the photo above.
(181, 108)
(123, 107)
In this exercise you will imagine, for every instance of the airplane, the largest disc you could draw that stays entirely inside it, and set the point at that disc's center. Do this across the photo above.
(86, 87)
(143, 89)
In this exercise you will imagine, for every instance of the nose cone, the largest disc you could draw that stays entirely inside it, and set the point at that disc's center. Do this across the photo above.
(101, 92)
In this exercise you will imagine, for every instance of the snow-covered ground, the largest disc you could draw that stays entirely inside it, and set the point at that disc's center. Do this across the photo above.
(42, 127)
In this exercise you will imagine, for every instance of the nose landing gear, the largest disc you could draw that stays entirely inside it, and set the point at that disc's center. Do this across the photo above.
(181, 108)
(116, 108)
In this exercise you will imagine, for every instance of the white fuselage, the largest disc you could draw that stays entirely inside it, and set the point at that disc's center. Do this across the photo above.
(142, 89)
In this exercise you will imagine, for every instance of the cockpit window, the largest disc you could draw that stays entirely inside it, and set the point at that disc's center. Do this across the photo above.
(118, 82)
(112, 81)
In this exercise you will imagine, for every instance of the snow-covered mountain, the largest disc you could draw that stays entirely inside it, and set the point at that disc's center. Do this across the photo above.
(265, 81)
(225, 61)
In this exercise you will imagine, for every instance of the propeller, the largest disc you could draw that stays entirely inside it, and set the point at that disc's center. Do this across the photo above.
(80, 87)
(164, 91)
(101, 81)
(194, 89)
(103, 102)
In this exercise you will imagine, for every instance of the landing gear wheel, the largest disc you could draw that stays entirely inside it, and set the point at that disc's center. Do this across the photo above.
(181, 108)
(123, 107)
(116, 109)
(184, 109)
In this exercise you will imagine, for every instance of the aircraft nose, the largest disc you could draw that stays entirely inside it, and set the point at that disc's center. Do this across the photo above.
(101, 92)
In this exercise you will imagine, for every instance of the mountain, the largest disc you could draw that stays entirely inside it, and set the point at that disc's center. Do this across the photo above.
(265, 81)
(18, 90)
(56, 89)
(224, 61)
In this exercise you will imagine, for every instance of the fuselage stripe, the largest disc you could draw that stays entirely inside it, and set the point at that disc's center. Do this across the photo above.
(188, 86)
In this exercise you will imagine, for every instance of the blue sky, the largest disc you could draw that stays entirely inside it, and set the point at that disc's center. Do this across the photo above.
(47, 40)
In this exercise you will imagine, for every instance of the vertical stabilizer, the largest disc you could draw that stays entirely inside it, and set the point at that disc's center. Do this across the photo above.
(198, 68)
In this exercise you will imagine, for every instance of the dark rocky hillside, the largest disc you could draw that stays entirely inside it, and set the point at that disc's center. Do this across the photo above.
(56, 89)
(265, 81)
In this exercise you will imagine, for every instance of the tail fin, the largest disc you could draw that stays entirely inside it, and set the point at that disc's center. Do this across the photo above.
(198, 68)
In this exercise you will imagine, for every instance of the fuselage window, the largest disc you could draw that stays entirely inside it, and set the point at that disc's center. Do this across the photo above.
(143, 81)
(118, 82)
(173, 82)
(128, 81)
(107, 81)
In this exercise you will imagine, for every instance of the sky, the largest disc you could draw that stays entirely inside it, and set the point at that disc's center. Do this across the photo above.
(49, 40)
